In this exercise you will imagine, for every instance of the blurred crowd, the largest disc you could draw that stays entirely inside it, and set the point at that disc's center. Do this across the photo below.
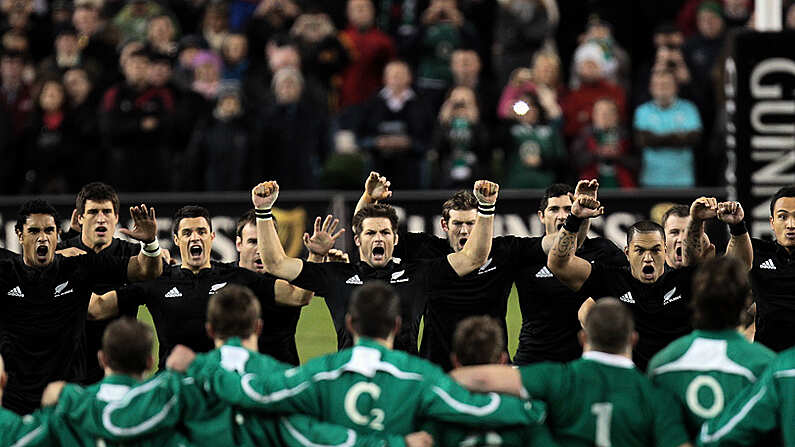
(218, 94)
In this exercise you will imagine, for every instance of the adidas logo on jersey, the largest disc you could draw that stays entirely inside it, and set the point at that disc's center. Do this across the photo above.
(544, 273)
(17, 292)
(216, 287)
(396, 277)
(768, 265)
(59, 290)
(354, 280)
(670, 298)
(485, 268)
(627, 298)
(173, 293)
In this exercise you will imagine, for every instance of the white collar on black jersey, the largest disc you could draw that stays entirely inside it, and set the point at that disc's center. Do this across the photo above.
(609, 359)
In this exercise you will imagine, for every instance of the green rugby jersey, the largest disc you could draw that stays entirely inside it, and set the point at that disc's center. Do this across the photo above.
(121, 410)
(368, 387)
(761, 408)
(603, 400)
(704, 370)
(32, 430)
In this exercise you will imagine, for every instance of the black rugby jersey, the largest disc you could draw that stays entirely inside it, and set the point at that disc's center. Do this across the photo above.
(661, 310)
(773, 281)
(95, 328)
(42, 321)
(549, 308)
(178, 301)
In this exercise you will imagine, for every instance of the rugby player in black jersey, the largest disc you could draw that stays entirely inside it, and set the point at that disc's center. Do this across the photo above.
(43, 313)
(178, 299)
(374, 228)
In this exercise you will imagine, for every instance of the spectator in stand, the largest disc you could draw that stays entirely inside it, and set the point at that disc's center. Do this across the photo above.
(18, 16)
(703, 53)
(546, 71)
(666, 129)
(443, 29)
(533, 146)
(270, 19)
(521, 29)
(616, 66)
(162, 35)
(396, 129)
(737, 13)
(218, 154)
(602, 150)
(461, 141)
(66, 56)
(466, 68)
(668, 41)
(15, 93)
(206, 74)
(83, 102)
(61, 13)
(135, 122)
(294, 140)
(369, 49)
(132, 20)
(234, 52)
(189, 47)
(215, 24)
(322, 54)
(50, 153)
(589, 61)
(95, 41)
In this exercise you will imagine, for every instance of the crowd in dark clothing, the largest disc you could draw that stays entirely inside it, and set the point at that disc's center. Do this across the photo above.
(218, 94)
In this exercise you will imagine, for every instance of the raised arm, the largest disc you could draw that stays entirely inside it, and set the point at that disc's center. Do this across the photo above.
(276, 262)
(702, 209)
(148, 264)
(477, 248)
(103, 306)
(376, 188)
(740, 243)
(570, 269)
(587, 188)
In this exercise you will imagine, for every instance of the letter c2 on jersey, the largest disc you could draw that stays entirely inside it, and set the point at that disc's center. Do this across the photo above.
(376, 417)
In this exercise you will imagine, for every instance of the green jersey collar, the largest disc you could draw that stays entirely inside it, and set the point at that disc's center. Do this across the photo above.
(609, 359)
(371, 343)
(725, 334)
(119, 379)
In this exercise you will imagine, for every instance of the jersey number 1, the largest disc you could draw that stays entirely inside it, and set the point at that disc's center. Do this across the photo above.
(604, 413)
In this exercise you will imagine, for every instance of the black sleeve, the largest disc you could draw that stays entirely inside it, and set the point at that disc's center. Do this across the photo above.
(130, 297)
(102, 268)
(317, 277)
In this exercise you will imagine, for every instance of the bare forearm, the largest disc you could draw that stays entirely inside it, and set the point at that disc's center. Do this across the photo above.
(563, 249)
(583, 233)
(477, 248)
(103, 306)
(143, 267)
(274, 259)
(692, 242)
(364, 200)
(740, 247)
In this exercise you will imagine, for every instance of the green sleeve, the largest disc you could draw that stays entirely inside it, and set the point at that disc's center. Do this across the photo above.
(25, 431)
(145, 409)
(288, 391)
(442, 399)
(751, 414)
(303, 431)
(545, 381)
(669, 427)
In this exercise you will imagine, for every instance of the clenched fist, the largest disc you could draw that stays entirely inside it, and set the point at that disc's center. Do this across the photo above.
(264, 195)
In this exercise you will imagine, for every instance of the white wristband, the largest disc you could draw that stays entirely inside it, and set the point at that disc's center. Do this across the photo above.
(151, 249)
(263, 214)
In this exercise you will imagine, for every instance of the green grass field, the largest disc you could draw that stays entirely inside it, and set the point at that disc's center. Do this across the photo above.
(315, 335)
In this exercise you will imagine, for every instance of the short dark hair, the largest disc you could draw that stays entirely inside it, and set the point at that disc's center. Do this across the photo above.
(554, 190)
(250, 218)
(375, 210)
(478, 341)
(787, 191)
(460, 201)
(36, 206)
(98, 192)
(644, 226)
(191, 211)
(609, 325)
(373, 309)
(233, 312)
(678, 210)
(127, 344)
(721, 292)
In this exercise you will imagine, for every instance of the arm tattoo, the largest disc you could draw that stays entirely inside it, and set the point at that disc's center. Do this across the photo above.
(692, 240)
(566, 244)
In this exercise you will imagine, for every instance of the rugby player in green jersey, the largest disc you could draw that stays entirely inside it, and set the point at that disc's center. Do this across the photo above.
(22, 431)
(761, 409)
(122, 409)
(599, 400)
(705, 369)
(369, 387)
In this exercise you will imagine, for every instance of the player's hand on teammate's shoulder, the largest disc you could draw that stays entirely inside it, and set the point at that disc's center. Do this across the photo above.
(180, 358)
(51, 393)
(70, 252)
(419, 439)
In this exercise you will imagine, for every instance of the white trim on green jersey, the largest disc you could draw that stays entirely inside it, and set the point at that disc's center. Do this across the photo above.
(784, 373)
(349, 442)
(704, 436)
(28, 438)
(616, 360)
(245, 384)
(706, 354)
(148, 424)
(461, 407)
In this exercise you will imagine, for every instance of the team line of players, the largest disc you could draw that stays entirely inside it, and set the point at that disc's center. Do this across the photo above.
(659, 320)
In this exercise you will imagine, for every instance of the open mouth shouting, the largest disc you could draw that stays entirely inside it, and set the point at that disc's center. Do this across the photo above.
(195, 250)
(258, 264)
(678, 254)
(101, 231)
(41, 253)
(462, 242)
(648, 272)
(379, 253)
